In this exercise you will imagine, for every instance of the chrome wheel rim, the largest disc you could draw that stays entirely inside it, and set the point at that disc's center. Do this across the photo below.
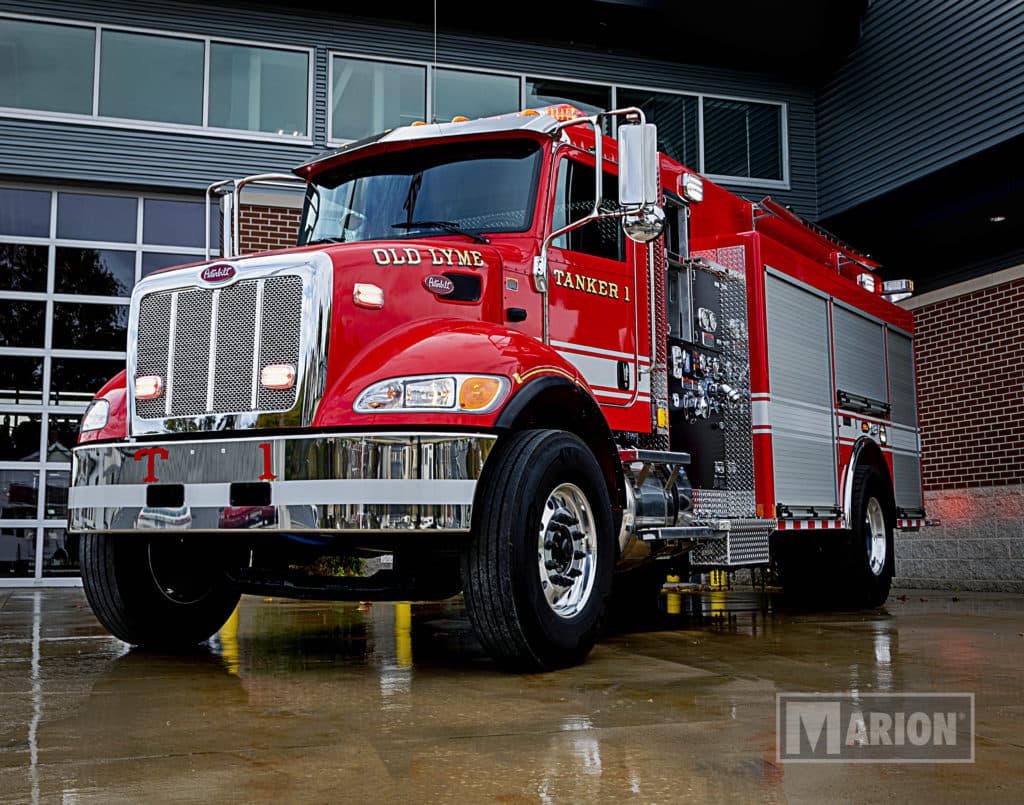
(567, 551)
(874, 526)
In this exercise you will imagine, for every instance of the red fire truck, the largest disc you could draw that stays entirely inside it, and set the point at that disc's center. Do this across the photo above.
(534, 364)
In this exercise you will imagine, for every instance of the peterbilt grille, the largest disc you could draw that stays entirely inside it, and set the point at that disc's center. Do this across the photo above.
(209, 346)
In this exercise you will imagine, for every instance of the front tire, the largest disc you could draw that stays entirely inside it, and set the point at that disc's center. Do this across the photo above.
(538, 569)
(160, 591)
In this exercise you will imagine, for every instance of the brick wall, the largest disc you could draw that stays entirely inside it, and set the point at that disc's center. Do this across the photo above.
(265, 228)
(970, 363)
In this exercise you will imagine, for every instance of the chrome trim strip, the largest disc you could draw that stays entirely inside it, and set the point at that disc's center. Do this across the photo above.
(172, 337)
(211, 366)
(335, 483)
(256, 336)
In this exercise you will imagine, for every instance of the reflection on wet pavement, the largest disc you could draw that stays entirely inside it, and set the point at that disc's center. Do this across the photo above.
(337, 702)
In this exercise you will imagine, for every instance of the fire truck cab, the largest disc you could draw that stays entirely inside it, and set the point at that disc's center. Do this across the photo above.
(534, 364)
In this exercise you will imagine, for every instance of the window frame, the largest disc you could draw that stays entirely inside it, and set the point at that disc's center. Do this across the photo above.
(203, 129)
(46, 354)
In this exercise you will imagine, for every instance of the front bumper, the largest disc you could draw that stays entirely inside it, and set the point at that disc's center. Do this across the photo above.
(352, 482)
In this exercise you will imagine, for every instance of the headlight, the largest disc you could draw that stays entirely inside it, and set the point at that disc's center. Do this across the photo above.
(475, 394)
(96, 416)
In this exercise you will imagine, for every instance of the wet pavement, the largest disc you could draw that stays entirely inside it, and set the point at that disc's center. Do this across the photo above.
(336, 702)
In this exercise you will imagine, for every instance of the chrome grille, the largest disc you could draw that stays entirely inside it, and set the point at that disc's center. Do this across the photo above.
(210, 346)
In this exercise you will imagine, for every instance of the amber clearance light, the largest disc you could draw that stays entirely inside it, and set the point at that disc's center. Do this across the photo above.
(478, 392)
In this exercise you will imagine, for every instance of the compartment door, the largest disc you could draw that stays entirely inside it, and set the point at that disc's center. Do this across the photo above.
(801, 411)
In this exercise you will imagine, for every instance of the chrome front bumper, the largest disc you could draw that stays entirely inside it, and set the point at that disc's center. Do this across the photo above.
(353, 482)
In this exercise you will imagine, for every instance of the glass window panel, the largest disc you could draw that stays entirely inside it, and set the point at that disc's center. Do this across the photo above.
(97, 272)
(21, 379)
(676, 119)
(19, 493)
(89, 326)
(23, 268)
(369, 96)
(258, 89)
(17, 552)
(174, 223)
(742, 139)
(60, 553)
(56, 502)
(46, 67)
(19, 436)
(589, 98)
(574, 198)
(61, 436)
(85, 217)
(153, 261)
(146, 77)
(473, 94)
(22, 324)
(24, 212)
(76, 380)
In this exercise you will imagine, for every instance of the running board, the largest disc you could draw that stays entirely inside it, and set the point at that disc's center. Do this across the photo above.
(695, 532)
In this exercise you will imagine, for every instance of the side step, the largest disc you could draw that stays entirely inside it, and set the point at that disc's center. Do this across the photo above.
(696, 532)
(739, 542)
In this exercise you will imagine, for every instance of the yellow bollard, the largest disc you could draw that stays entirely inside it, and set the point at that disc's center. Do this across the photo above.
(229, 643)
(403, 634)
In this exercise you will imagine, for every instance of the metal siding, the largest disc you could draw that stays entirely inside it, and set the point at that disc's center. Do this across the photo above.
(902, 390)
(929, 84)
(859, 348)
(132, 156)
(799, 368)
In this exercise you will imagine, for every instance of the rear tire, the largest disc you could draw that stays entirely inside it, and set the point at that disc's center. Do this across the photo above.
(161, 591)
(870, 561)
(538, 569)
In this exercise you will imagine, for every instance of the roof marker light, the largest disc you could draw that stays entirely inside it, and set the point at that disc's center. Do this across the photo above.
(562, 112)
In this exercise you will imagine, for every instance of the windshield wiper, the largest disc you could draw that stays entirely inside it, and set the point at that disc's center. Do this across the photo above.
(323, 240)
(447, 226)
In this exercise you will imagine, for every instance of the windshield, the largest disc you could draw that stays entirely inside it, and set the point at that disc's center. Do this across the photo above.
(438, 190)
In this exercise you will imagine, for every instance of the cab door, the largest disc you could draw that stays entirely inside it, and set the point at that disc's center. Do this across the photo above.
(594, 276)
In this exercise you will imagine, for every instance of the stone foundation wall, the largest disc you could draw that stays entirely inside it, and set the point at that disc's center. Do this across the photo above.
(979, 544)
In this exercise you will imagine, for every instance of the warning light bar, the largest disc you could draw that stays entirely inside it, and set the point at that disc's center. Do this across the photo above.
(561, 112)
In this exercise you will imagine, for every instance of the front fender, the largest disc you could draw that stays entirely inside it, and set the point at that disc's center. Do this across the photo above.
(440, 346)
(115, 393)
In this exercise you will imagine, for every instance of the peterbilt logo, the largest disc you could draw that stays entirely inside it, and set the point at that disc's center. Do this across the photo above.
(221, 272)
(435, 283)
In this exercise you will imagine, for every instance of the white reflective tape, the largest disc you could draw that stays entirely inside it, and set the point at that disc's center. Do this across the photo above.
(589, 350)
(759, 414)
(107, 497)
(290, 493)
(426, 492)
(207, 495)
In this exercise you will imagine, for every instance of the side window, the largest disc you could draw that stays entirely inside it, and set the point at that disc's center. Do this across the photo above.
(574, 198)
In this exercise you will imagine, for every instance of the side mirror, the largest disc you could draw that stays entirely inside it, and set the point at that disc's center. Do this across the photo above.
(638, 165)
(639, 192)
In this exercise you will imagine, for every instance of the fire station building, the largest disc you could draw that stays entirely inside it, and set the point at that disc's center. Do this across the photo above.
(897, 125)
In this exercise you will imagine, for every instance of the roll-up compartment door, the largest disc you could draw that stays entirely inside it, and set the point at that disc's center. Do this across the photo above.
(860, 372)
(906, 451)
(801, 408)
